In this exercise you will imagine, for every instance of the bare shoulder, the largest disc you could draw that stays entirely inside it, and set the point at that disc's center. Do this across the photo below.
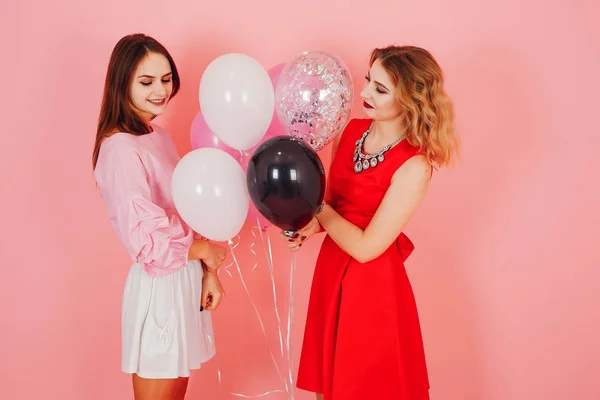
(416, 168)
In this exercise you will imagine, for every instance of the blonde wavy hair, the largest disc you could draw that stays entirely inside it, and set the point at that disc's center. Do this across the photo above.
(427, 109)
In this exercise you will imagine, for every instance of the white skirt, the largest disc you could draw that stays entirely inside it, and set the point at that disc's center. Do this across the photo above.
(164, 333)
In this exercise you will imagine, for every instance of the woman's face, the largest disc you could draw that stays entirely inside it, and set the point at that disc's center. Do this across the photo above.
(152, 86)
(379, 94)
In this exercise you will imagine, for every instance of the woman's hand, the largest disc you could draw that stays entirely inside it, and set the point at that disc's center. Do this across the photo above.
(212, 291)
(215, 255)
(294, 243)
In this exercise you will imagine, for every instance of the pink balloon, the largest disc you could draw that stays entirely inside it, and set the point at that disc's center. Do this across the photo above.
(275, 73)
(201, 136)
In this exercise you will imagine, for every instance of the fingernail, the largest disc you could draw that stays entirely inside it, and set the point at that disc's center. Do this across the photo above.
(303, 237)
(201, 308)
(300, 245)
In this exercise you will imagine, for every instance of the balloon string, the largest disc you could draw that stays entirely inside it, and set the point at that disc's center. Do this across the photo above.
(226, 268)
(289, 327)
(252, 245)
(237, 265)
(212, 342)
(269, 257)
(258, 395)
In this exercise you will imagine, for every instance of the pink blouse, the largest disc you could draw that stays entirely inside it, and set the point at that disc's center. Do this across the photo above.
(134, 177)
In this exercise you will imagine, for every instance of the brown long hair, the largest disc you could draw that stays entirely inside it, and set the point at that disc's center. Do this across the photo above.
(117, 112)
(428, 111)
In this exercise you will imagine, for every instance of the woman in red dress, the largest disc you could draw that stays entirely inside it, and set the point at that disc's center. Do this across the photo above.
(362, 339)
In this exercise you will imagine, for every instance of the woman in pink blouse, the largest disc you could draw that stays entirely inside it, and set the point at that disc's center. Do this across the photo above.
(165, 332)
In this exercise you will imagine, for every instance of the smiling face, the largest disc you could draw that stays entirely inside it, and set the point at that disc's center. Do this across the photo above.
(379, 94)
(151, 86)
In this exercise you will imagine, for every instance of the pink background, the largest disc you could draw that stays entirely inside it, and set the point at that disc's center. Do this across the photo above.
(506, 268)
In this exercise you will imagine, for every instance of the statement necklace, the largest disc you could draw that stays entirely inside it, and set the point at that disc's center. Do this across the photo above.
(363, 161)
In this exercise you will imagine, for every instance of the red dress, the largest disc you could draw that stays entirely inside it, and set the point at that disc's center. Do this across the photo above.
(362, 339)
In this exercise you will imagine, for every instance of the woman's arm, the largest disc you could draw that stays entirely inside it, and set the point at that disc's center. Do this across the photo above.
(213, 255)
(407, 190)
(160, 243)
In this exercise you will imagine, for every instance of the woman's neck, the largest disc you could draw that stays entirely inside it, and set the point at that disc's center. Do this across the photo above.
(387, 131)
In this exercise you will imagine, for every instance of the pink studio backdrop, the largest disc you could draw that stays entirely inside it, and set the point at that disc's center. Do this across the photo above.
(506, 267)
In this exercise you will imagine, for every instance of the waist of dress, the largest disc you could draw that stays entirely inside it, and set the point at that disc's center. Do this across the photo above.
(403, 245)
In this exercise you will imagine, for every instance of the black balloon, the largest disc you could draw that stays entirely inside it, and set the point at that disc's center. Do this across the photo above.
(286, 182)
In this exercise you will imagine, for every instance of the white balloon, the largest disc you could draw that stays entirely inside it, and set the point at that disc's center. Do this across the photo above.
(237, 100)
(209, 192)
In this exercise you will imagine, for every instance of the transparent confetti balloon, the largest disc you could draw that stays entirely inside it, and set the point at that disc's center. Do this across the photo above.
(314, 97)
